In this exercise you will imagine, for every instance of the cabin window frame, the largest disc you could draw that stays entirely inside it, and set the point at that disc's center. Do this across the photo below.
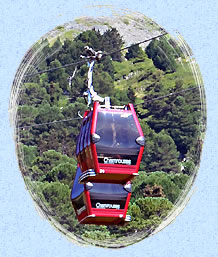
(130, 151)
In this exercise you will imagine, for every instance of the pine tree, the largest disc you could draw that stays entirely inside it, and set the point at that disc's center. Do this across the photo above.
(162, 55)
(133, 52)
(112, 42)
(58, 75)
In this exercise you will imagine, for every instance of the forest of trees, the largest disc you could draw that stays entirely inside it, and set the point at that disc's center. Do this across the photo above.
(170, 125)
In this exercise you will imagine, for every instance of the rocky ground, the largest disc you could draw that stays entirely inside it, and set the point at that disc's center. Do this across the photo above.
(133, 28)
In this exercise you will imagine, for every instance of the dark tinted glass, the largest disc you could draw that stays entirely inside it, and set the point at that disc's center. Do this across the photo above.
(118, 132)
(86, 132)
(82, 136)
(108, 196)
(89, 130)
(79, 204)
(78, 188)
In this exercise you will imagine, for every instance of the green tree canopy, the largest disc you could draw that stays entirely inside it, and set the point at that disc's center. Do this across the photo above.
(160, 152)
(172, 184)
(134, 51)
(162, 55)
(63, 172)
(56, 195)
(112, 42)
(47, 161)
(34, 95)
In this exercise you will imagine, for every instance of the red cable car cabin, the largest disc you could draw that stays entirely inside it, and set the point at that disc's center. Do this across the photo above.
(100, 203)
(110, 145)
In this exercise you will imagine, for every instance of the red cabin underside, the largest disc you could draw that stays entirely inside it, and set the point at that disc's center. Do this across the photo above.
(111, 174)
(103, 217)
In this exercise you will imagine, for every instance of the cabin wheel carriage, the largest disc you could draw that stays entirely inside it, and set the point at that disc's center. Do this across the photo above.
(110, 144)
(100, 203)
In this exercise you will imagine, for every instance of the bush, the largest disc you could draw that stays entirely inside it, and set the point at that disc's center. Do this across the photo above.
(171, 184)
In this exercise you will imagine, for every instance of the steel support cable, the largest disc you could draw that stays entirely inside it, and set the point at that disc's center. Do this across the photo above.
(47, 123)
(87, 59)
(55, 68)
(78, 118)
(168, 95)
(141, 42)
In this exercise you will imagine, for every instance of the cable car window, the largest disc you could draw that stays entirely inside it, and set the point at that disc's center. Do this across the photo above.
(88, 128)
(82, 136)
(78, 142)
(108, 196)
(86, 132)
(118, 133)
(79, 204)
(89, 131)
(78, 188)
(77, 195)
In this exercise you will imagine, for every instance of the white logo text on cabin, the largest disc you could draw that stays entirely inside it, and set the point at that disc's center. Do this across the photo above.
(116, 161)
(107, 206)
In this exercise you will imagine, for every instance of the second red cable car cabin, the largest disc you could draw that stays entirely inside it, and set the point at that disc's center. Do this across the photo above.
(100, 203)
(110, 145)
